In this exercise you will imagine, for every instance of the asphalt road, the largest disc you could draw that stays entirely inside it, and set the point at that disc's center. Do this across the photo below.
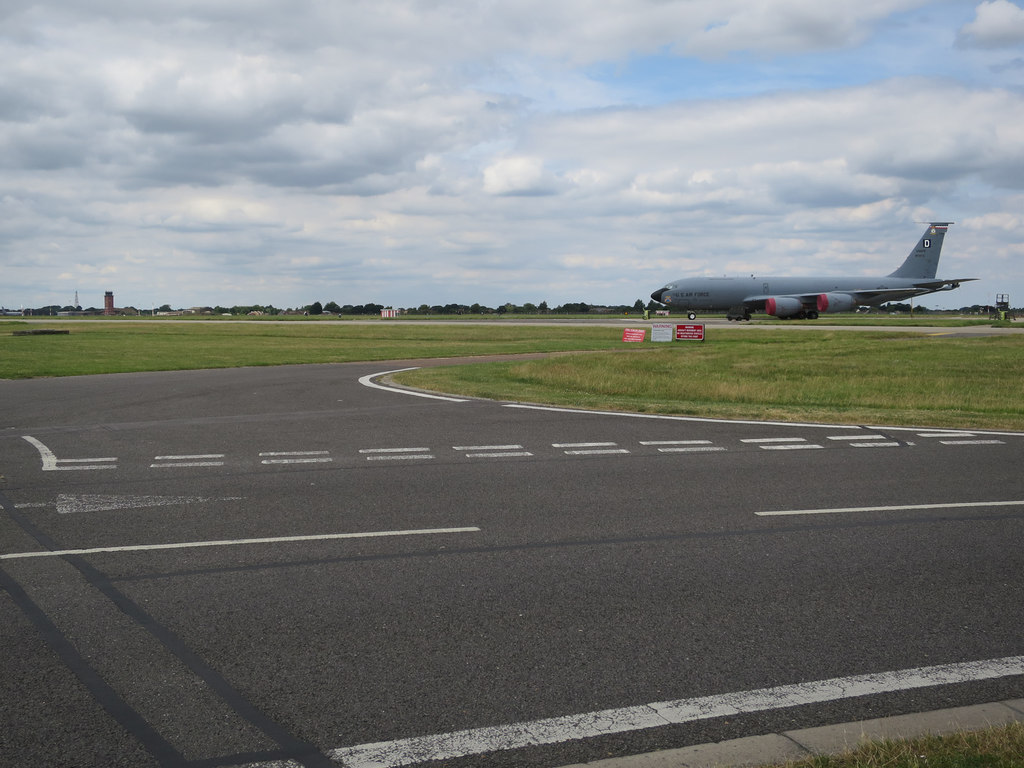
(283, 566)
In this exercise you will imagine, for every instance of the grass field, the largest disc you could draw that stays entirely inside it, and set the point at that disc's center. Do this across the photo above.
(122, 346)
(997, 747)
(854, 378)
(798, 375)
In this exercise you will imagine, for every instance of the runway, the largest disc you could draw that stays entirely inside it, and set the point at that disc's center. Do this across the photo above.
(289, 566)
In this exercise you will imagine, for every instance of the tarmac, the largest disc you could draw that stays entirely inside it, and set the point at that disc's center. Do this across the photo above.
(774, 748)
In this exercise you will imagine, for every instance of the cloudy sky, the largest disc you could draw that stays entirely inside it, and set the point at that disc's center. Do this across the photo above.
(200, 152)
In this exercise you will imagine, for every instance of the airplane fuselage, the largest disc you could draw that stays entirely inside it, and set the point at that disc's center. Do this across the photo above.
(805, 297)
(720, 294)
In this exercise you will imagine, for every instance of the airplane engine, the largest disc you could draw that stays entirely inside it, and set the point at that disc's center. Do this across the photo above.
(836, 302)
(784, 306)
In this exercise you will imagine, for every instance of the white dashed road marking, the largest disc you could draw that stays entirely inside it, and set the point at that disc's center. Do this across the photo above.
(589, 449)
(296, 457)
(782, 443)
(683, 446)
(191, 460)
(395, 454)
(491, 451)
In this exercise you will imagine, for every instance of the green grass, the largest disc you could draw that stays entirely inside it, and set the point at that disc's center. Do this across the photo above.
(861, 378)
(997, 747)
(122, 346)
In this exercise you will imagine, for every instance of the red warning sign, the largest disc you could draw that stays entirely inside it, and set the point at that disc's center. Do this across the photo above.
(634, 334)
(690, 332)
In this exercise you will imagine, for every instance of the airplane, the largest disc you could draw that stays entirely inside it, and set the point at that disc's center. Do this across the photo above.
(804, 298)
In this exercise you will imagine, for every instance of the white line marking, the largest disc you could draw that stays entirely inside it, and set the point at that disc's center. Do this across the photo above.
(492, 451)
(699, 420)
(800, 447)
(856, 437)
(596, 451)
(188, 464)
(190, 457)
(235, 542)
(367, 381)
(675, 442)
(693, 449)
(393, 450)
(583, 445)
(308, 460)
(694, 419)
(498, 454)
(759, 440)
(972, 442)
(80, 467)
(400, 457)
(837, 510)
(945, 434)
(52, 464)
(554, 730)
(75, 503)
(188, 460)
(487, 447)
(886, 444)
(294, 453)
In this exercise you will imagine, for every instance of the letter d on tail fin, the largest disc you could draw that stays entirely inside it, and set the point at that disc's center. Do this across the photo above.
(923, 261)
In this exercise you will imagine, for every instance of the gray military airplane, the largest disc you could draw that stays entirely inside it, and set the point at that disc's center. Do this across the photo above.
(804, 297)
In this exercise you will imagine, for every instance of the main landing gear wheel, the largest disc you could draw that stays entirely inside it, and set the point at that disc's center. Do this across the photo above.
(692, 315)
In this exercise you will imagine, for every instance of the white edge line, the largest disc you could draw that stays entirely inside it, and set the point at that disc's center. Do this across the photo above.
(972, 442)
(701, 420)
(367, 381)
(235, 542)
(906, 507)
(447, 746)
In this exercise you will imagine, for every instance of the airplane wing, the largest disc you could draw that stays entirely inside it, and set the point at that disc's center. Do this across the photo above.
(839, 300)
(863, 295)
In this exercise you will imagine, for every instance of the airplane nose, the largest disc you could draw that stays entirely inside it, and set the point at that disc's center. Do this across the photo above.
(657, 295)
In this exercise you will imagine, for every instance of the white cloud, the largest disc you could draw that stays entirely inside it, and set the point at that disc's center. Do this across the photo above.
(518, 176)
(998, 24)
(414, 151)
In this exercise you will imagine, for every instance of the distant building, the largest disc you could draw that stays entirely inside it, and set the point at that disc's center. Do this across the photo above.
(108, 303)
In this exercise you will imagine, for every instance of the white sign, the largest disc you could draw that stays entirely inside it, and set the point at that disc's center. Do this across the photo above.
(662, 331)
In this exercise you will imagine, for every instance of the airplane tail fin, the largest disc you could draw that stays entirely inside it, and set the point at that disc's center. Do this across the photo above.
(923, 261)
